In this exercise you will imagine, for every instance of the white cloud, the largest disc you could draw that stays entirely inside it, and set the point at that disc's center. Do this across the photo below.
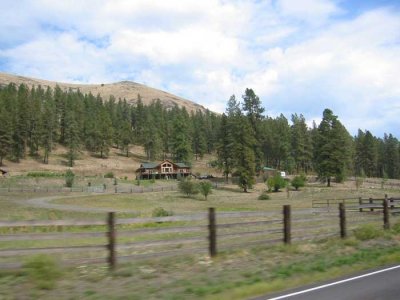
(298, 56)
(310, 11)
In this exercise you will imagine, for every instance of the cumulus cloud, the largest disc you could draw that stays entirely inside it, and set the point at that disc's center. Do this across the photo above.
(298, 56)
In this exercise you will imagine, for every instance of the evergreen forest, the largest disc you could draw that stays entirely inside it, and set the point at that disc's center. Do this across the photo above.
(244, 139)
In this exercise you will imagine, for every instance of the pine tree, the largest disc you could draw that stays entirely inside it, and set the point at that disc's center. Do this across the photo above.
(332, 148)
(48, 125)
(301, 145)
(254, 112)
(391, 156)
(72, 137)
(225, 147)
(180, 139)
(5, 133)
(199, 135)
(244, 153)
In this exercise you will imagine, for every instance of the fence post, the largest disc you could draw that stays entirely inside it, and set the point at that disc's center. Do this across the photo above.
(286, 224)
(111, 240)
(342, 216)
(371, 201)
(386, 222)
(212, 230)
(360, 202)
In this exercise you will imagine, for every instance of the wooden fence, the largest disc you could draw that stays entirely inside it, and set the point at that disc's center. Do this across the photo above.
(118, 240)
(89, 189)
(359, 203)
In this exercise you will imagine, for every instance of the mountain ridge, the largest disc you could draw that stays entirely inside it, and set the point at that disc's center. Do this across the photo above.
(128, 90)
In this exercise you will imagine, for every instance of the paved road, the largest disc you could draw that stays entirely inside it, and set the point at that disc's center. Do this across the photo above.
(381, 284)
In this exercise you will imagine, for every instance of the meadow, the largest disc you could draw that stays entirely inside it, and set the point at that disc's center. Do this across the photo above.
(233, 274)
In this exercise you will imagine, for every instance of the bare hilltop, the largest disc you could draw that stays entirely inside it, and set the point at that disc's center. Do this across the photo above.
(120, 90)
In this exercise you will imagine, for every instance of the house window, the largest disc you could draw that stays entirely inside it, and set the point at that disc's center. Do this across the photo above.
(166, 168)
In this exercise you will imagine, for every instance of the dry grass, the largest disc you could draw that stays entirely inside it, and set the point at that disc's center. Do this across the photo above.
(120, 90)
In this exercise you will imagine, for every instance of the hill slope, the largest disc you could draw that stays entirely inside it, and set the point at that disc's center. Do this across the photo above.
(124, 89)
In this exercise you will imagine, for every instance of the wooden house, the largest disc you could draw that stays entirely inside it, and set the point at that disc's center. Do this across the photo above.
(164, 170)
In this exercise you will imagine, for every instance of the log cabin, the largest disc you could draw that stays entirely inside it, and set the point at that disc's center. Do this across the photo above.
(164, 170)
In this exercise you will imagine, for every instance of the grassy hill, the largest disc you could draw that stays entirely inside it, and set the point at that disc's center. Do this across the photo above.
(124, 89)
(89, 164)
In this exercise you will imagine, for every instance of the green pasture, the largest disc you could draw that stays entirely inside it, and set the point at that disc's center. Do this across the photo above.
(234, 274)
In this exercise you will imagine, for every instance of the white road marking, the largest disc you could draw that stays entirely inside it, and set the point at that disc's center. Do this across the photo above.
(334, 283)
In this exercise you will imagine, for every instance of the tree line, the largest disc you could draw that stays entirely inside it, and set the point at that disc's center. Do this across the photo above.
(245, 139)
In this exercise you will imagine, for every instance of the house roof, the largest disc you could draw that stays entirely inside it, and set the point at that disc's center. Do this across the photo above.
(268, 169)
(153, 165)
(149, 165)
(182, 165)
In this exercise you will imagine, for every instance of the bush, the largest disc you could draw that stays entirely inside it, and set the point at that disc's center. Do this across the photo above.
(188, 187)
(109, 175)
(43, 271)
(367, 232)
(264, 196)
(396, 227)
(276, 182)
(205, 188)
(44, 174)
(69, 178)
(161, 212)
(297, 182)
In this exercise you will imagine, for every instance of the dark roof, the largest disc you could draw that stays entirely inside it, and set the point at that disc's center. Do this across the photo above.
(182, 165)
(153, 165)
(268, 169)
(149, 165)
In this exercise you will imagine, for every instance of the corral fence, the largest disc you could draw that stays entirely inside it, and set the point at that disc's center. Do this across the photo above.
(358, 203)
(89, 189)
(83, 242)
(122, 189)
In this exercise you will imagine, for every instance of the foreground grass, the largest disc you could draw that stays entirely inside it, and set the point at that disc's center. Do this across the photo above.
(232, 275)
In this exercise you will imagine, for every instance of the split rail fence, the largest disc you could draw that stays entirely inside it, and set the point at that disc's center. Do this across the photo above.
(120, 240)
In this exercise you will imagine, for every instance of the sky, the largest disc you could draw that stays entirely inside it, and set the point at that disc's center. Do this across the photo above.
(299, 56)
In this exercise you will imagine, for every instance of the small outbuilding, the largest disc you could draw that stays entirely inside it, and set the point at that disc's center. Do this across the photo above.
(163, 170)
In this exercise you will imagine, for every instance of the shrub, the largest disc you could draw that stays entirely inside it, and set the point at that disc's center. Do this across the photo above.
(43, 271)
(109, 175)
(264, 196)
(367, 232)
(276, 182)
(43, 174)
(69, 178)
(297, 182)
(161, 212)
(188, 187)
(396, 227)
(205, 188)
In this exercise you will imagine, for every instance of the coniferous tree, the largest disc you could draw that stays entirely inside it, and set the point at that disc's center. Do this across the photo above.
(301, 145)
(199, 135)
(225, 147)
(332, 148)
(392, 163)
(72, 137)
(180, 140)
(48, 125)
(5, 133)
(245, 159)
(254, 113)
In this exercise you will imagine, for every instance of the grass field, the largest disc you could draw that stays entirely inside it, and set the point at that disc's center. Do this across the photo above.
(234, 274)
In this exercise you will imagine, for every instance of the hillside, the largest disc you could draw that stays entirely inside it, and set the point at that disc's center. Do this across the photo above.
(90, 164)
(124, 89)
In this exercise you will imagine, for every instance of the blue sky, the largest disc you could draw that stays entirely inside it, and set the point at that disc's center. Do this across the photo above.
(299, 56)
